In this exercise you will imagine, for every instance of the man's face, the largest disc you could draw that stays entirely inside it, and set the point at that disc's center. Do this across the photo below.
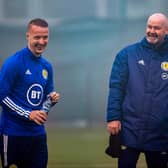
(37, 38)
(156, 30)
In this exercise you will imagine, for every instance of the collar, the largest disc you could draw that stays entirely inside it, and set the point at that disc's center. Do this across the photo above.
(31, 55)
(160, 48)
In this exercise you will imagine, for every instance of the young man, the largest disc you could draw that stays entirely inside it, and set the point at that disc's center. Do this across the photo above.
(26, 80)
(137, 102)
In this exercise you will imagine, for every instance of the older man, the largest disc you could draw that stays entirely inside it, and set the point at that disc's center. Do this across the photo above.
(138, 97)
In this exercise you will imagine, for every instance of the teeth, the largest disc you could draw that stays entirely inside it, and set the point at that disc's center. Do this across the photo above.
(152, 36)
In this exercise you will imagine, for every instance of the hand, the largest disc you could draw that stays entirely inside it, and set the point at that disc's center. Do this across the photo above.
(114, 127)
(39, 117)
(54, 96)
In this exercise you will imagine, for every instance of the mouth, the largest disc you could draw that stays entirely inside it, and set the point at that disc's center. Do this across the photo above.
(40, 47)
(152, 35)
(152, 38)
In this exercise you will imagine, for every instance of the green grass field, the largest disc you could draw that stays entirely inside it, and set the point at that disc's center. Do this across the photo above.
(80, 148)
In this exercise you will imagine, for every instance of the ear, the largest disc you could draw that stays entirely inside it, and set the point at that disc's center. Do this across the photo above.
(27, 35)
(167, 31)
(167, 27)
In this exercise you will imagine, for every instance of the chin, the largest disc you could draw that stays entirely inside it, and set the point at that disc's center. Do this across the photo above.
(39, 52)
(152, 41)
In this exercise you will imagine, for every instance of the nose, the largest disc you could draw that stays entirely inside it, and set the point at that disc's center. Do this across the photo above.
(42, 41)
(152, 30)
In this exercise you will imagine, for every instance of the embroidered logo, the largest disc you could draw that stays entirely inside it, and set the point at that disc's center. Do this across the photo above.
(164, 76)
(141, 62)
(45, 73)
(28, 72)
(163, 153)
(13, 166)
(164, 66)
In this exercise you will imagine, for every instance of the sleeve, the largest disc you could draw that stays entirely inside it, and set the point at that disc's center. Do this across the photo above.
(117, 86)
(9, 73)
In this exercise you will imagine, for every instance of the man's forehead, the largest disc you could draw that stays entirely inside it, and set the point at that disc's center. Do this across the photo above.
(157, 18)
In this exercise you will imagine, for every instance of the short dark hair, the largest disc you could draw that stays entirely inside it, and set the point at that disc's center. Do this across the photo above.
(38, 22)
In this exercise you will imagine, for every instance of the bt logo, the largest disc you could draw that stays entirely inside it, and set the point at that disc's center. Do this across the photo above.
(35, 94)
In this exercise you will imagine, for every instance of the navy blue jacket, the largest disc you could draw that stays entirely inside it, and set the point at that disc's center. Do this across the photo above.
(25, 82)
(138, 95)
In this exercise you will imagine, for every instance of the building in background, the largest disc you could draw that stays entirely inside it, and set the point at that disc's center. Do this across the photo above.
(85, 36)
(19, 10)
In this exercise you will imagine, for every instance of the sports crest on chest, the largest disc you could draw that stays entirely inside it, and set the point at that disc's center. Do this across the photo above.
(164, 67)
(45, 74)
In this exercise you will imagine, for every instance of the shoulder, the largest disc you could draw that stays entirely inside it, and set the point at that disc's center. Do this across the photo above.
(130, 48)
(124, 54)
(46, 63)
(14, 62)
(14, 59)
(10, 66)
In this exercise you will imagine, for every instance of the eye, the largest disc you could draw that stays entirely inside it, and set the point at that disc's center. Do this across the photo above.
(157, 28)
(149, 27)
(45, 37)
(37, 37)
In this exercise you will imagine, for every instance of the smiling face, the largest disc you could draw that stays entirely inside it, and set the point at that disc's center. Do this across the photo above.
(37, 38)
(156, 29)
